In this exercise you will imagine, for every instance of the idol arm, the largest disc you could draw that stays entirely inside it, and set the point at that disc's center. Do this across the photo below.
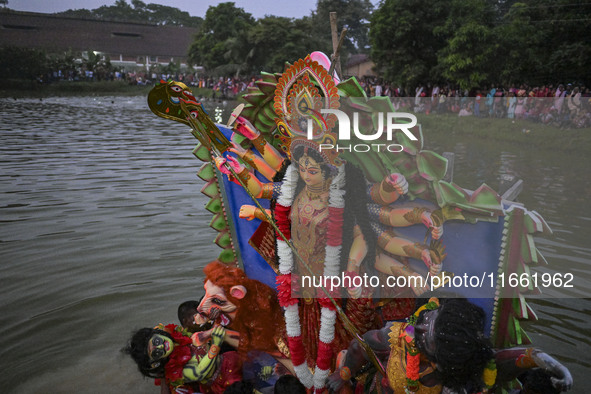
(250, 212)
(257, 188)
(358, 250)
(255, 161)
(271, 156)
(512, 362)
(356, 356)
(199, 370)
(357, 253)
(408, 216)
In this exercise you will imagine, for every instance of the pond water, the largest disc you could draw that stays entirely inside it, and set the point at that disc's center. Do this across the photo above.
(104, 231)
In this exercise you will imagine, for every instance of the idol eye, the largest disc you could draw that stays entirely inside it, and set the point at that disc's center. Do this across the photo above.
(218, 301)
(157, 341)
(194, 114)
(176, 88)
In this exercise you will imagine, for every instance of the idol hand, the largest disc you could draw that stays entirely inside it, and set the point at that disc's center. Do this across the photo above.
(434, 266)
(236, 148)
(218, 335)
(201, 337)
(398, 183)
(561, 378)
(334, 382)
(435, 269)
(232, 162)
(247, 212)
(436, 230)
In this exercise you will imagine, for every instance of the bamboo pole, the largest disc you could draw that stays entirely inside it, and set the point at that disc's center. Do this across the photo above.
(337, 43)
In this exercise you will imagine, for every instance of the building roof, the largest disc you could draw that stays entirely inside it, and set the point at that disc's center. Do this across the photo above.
(356, 59)
(57, 33)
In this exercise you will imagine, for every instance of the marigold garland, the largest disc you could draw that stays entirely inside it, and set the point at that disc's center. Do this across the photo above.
(489, 375)
(325, 302)
(284, 283)
(413, 356)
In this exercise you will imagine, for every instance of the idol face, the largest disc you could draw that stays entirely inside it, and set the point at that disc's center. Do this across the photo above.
(159, 347)
(425, 333)
(310, 171)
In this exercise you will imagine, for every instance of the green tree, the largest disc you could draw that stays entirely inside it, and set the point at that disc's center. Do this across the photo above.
(222, 41)
(139, 12)
(519, 55)
(546, 41)
(164, 15)
(479, 42)
(121, 11)
(276, 40)
(81, 14)
(25, 63)
(64, 62)
(403, 43)
(467, 59)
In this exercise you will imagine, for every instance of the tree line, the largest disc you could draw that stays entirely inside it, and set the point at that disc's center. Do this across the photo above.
(465, 43)
(139, 12)
(231, 40)
(471, 43)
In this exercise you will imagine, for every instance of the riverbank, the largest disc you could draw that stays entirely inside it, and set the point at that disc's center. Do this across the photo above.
(523, 133)
(12, 88)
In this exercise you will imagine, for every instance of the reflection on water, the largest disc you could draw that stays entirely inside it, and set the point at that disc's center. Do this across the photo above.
(103, 232)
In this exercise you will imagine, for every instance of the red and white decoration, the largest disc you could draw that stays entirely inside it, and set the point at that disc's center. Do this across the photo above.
(336, 204)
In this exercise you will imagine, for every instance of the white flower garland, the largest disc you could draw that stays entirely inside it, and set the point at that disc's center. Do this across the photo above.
(331, 267)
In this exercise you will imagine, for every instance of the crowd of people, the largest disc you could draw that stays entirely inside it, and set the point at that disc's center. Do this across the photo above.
(222, 87)
(561, 105)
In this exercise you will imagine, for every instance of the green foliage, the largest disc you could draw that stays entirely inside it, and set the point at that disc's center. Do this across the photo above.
(231, 41)
(99, 66)
(276, 40)
(474, 43)
(26, 63)
(223, 38)
(468, 43)
(31, 64)
(468, 56)
(403, 40)
(548, 41)
(64, 62)
(139, 12)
